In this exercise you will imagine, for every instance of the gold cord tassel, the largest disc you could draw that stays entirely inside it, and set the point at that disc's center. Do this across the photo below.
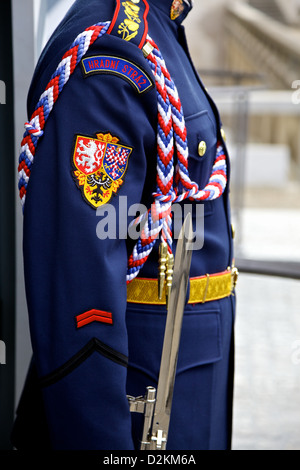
(169, 275)
(163, 254)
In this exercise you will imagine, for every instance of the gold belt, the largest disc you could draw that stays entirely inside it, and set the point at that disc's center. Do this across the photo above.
(202, 289)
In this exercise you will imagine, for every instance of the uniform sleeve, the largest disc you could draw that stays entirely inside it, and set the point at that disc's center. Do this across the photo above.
(98, 147)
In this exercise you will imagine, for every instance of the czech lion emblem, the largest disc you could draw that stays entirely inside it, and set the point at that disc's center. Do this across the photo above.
(99, 166)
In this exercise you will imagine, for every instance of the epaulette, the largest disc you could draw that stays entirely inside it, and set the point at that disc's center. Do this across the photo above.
(130, 21)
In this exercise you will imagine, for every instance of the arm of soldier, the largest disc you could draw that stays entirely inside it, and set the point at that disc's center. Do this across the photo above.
(75, 281)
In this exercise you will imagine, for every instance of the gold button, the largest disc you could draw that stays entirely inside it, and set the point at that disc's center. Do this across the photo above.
(233, 231)
(202, 148)
(223, 134)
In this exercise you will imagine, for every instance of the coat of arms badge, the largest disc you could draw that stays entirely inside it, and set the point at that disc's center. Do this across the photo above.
(99, 166)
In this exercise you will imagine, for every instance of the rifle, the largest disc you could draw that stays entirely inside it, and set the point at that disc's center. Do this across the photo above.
(156, 405)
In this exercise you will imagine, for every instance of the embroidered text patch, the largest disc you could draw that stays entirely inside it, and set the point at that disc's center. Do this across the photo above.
(118, 66)
(99, 166)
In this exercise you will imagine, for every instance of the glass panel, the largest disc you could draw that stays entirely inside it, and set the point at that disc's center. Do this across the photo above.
(248, 58)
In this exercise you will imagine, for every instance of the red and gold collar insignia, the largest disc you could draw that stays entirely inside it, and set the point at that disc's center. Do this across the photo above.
(130, 21)
(99, 166)
(176, 9)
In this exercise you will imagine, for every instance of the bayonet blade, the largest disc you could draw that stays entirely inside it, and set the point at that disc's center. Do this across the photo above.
(172, 335)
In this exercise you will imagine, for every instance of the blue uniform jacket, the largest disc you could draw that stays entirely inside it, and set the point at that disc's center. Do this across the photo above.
(82, 371)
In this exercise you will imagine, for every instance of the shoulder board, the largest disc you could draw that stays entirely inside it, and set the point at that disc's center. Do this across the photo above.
(130, 21)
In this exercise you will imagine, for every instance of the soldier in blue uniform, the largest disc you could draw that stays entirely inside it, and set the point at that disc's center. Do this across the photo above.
(98, 135)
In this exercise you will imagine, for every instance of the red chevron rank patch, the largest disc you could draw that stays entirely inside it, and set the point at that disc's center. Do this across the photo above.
(94, 315)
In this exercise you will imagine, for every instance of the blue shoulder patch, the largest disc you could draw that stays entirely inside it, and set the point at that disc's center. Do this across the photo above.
(118, 66)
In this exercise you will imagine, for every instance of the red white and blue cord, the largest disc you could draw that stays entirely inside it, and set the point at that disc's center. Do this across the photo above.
(171, 129)
(173, 184)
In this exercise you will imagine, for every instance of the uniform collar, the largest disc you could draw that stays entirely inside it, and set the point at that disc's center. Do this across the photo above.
(177, 10)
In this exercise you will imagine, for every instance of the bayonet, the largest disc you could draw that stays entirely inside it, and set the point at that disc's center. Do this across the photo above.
(157, 407)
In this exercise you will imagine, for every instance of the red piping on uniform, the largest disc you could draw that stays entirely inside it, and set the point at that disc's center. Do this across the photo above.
(145, 23)
(113, 21)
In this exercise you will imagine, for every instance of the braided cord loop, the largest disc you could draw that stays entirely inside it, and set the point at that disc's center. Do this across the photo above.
(171, 133)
